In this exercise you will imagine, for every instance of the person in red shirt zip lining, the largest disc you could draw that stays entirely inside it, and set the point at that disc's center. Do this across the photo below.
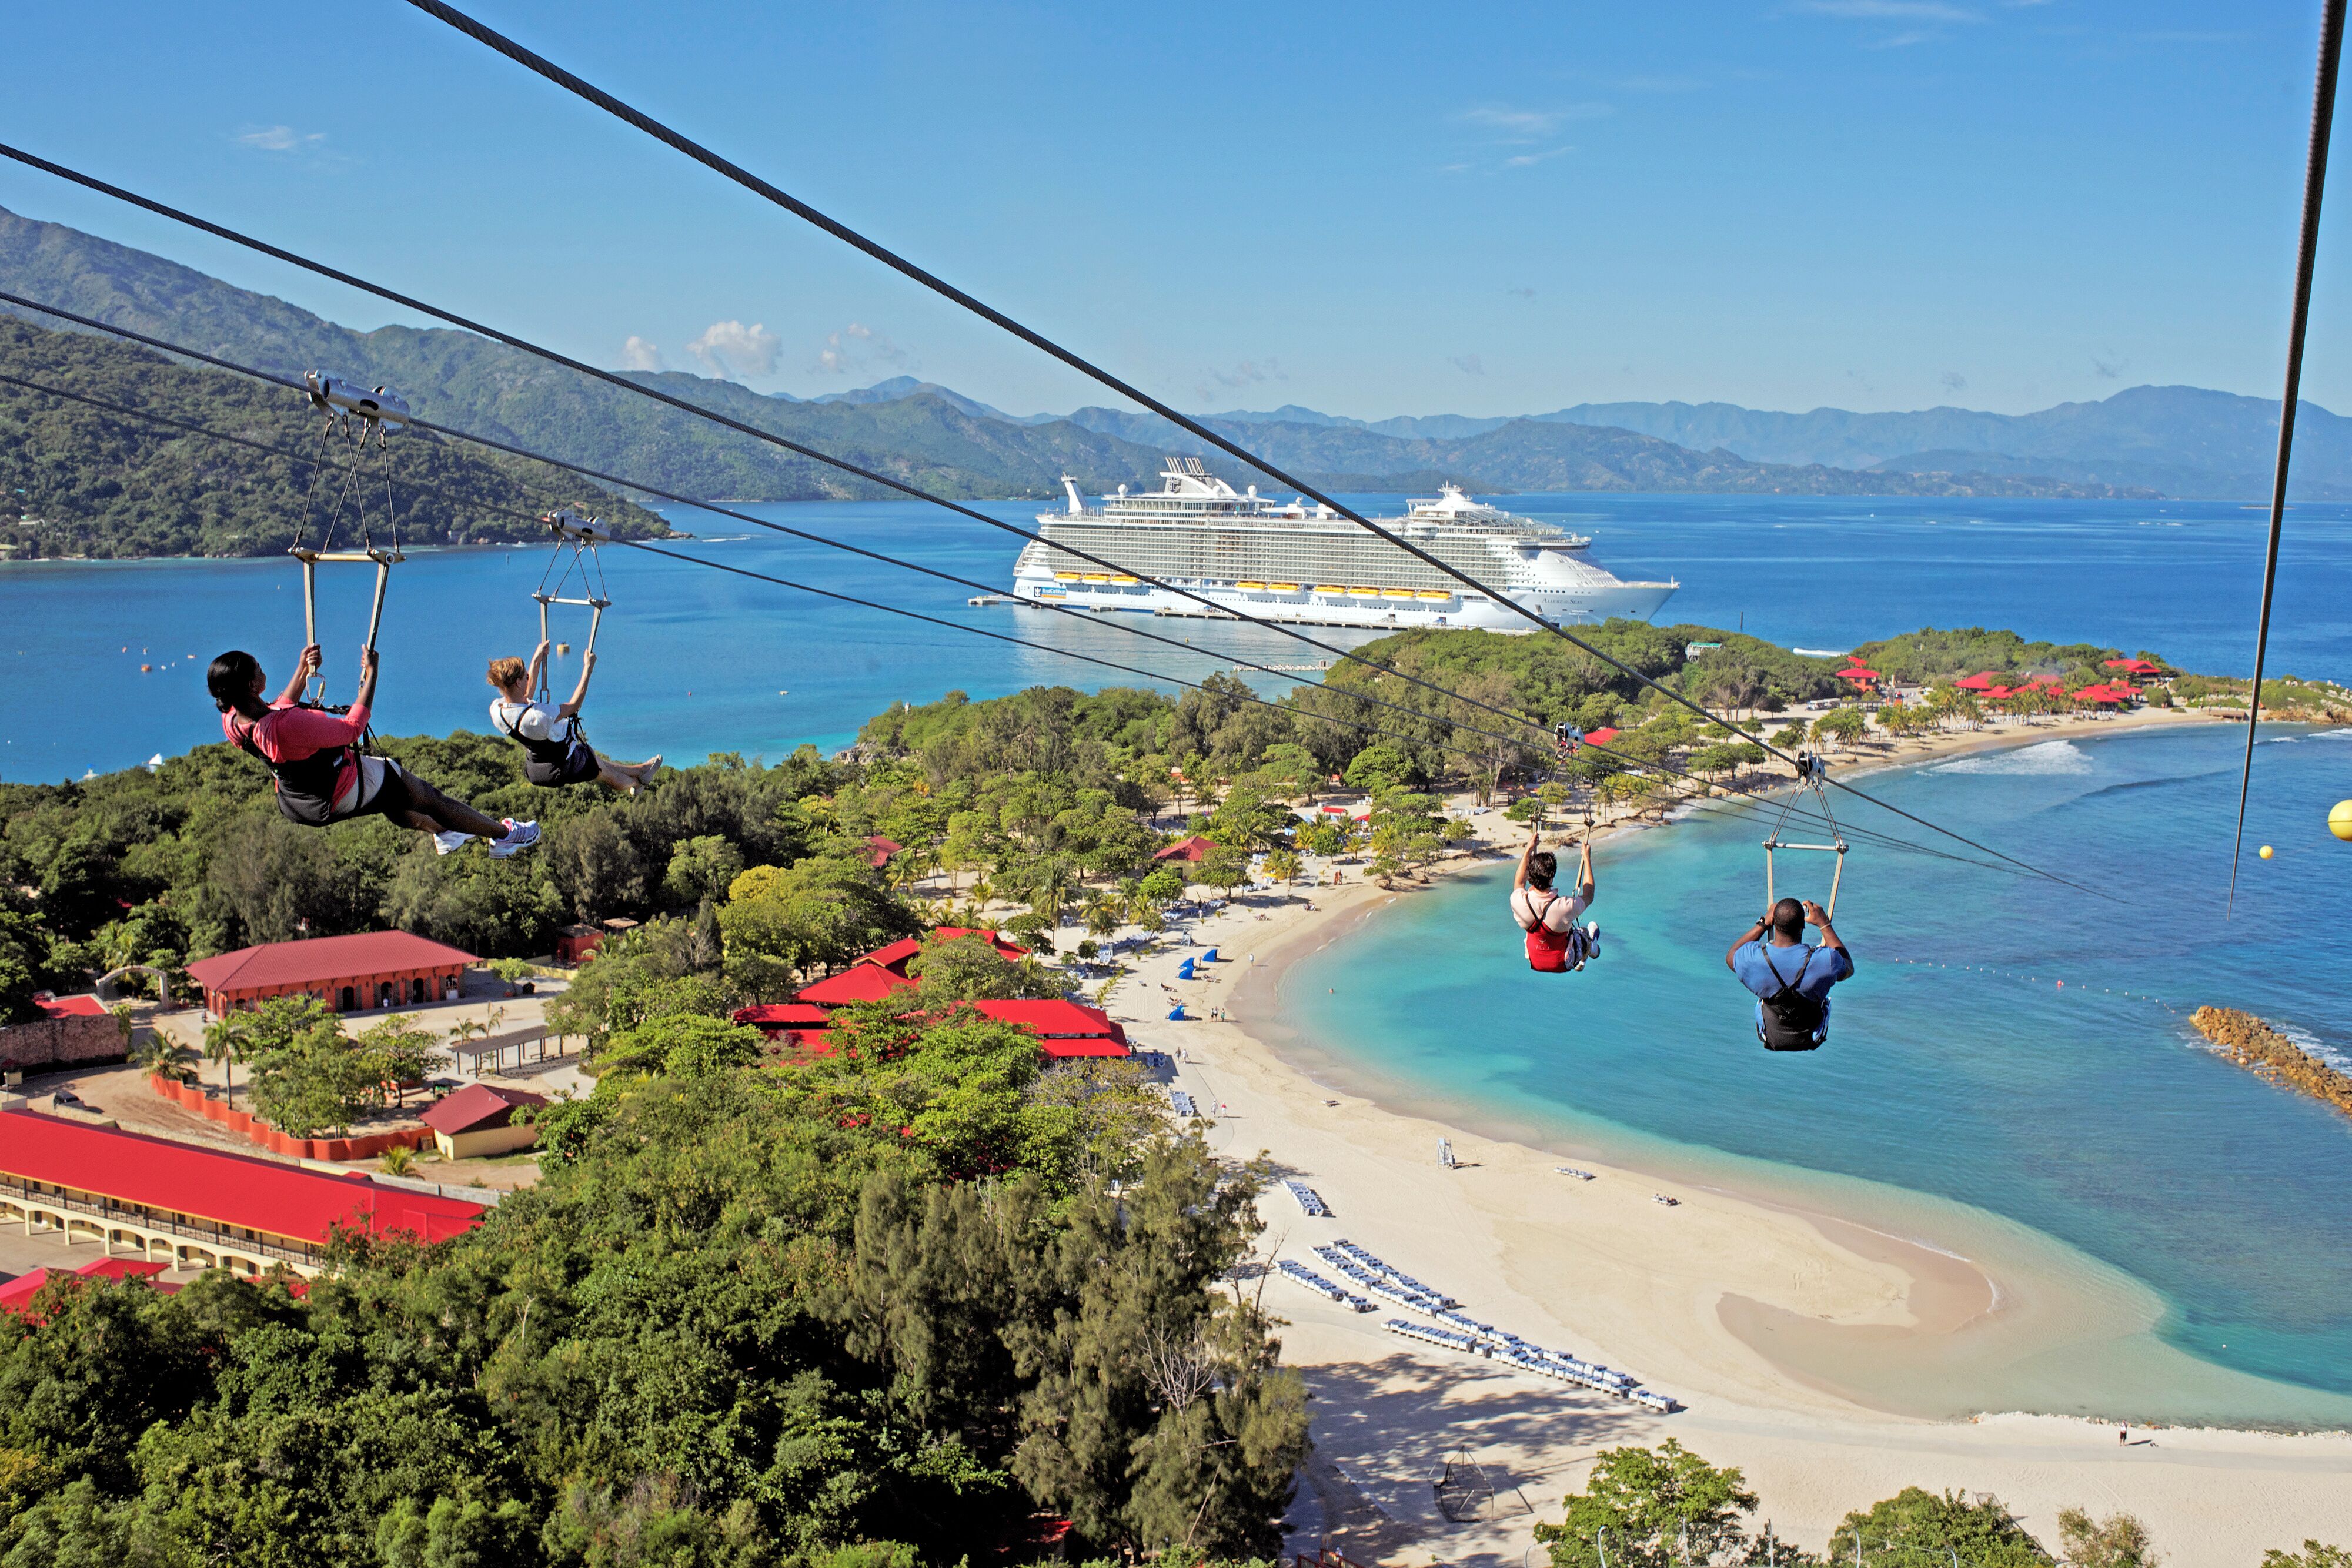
(322, 776)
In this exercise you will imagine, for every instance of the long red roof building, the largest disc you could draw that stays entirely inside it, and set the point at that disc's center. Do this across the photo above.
(369, 969)
(202, 1204)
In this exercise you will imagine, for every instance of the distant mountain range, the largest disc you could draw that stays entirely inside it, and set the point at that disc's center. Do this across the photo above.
(2148, 440)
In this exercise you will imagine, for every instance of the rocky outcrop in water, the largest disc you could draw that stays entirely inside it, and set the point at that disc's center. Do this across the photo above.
(2263, 1051)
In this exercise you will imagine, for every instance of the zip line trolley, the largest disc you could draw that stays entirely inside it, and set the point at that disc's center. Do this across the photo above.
(1812, 775)
(575, 552)
(361, 417)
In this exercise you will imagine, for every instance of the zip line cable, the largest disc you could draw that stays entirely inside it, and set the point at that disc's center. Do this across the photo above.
(2315, 181)
(711, 160)
(1746, 807)
(524, 345)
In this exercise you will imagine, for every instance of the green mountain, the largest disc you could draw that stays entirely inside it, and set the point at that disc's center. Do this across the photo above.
(80, 481)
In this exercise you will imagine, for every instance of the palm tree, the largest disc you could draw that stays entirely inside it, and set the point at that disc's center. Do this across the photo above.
(225, 1042)
(1101, 915)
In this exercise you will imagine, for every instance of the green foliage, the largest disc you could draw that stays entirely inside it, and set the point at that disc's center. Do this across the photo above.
(307, 1077)
(1930, 655)
(1649, 1503)
(971, 969)
(1980, 1532)
(783, 921)
(2313, 1555)
(678, 1045)
(2119, 1541)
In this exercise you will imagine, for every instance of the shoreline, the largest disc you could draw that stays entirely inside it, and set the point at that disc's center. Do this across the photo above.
(1750, 1302)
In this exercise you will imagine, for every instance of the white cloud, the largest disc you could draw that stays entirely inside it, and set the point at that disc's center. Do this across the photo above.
(735, 350)
(1470, 364)
(858, 346)
(1247, 373)
(280, 138)
(636, 354)
(1533, 124)
(1522, 159)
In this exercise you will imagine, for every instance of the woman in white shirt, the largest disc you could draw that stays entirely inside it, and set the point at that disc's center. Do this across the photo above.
(559, 754)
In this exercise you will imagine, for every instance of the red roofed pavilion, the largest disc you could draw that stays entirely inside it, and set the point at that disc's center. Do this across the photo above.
(18, 1294)
(371, 969)
(879, 851)
(1194, 849)
(1982, 681)
(1064, 1028)
(894, 957)
(197, 1207)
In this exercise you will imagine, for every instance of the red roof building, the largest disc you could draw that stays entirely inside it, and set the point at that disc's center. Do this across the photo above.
(197, 1207)
(18, 1294)
(1982, 681)
(894, 957)
(861, 982)
(1064, 1028)
(372, 969)
(1601, 736)
(879, 851)
(479, 1120)
(1194, 849)
(68, 1006)
(2136, 667)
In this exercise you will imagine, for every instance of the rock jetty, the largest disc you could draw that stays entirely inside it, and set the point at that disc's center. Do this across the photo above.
(2263, 1051)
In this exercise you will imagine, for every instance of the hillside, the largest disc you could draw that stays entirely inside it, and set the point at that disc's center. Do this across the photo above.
(916, 432)
(83, 482)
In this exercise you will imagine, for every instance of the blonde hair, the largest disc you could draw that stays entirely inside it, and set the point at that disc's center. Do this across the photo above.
(506, 672)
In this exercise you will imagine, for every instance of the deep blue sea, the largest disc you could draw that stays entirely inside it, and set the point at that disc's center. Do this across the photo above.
(1960, 1069)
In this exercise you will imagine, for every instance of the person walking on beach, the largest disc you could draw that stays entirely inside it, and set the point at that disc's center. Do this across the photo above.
(1791, 977)
(1556, 944)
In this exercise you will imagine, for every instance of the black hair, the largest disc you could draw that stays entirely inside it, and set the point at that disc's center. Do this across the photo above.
(230, 681)
(1789, 918)
(1542, 866)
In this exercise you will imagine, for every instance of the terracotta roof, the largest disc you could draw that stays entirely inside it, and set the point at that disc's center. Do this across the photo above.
(228, 1189)
(783, 1015)
(322, 958)
(861, 982)
(18, 1292)
(477, 1106)
(894, 957)
(1193, 849)
(1053, 1020)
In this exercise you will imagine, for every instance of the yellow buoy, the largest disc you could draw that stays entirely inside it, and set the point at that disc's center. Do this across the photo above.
(2266, 851)
(2339, 820)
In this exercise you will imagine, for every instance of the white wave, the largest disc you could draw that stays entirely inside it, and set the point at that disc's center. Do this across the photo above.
(2050, 756)
(2312, 1045)
(2331, 735)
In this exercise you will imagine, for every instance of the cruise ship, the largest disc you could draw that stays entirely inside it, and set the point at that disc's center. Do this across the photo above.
(1300, 562)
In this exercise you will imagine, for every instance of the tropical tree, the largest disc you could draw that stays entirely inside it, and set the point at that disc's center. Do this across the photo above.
(1916, 1520)
(2313, 1555)
(1282, 867)
(163, 1057)
(399, 1052)
(1841, 726)
(1650, 1507)
(1101, 915)
(2119, 1541)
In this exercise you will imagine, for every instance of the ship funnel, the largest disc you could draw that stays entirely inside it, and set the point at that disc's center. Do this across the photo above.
(1076, 505)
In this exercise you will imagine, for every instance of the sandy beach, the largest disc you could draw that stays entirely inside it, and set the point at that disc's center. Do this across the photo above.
(1764, 1316)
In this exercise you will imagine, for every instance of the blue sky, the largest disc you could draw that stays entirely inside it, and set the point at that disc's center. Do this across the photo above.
(1369, 209)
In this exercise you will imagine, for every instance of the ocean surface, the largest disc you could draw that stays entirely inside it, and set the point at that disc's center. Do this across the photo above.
(1961, 1077)
(2009, 1045)
(693, 661)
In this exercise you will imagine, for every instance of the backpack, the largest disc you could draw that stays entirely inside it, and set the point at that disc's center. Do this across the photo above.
(1792, 1020)
(1549, 951)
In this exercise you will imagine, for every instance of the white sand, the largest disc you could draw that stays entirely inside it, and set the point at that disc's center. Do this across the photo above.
(1693, 1299)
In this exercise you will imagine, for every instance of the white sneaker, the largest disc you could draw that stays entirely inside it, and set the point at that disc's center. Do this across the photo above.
(452, 839)
(1592, 938)
(519, 836)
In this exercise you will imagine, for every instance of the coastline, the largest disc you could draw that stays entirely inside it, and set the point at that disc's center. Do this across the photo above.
(1767, 1307)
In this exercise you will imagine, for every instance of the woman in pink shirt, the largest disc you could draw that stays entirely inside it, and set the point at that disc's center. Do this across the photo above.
(322, 777)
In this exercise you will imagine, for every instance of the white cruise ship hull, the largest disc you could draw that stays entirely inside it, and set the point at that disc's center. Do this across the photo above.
(1578, 604)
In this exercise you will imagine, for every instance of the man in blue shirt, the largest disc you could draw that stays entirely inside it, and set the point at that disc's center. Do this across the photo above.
(1790, 979)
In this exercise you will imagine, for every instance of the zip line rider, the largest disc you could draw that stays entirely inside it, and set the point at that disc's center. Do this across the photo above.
(559, 753)
(1792, 1006)
(322, 775)
(1556, 945)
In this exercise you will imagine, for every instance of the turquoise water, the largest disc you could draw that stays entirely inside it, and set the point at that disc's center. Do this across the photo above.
(694, 660)
(1958, 1065)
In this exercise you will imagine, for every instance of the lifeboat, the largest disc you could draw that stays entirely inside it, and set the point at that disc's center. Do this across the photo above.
(1437, 594)
(1094, 577)
(1128, 582)
(1248, 584)
(1066, 577)
(1330, 588)
(1284, 587)
(1363, 593)
(1396, 593)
